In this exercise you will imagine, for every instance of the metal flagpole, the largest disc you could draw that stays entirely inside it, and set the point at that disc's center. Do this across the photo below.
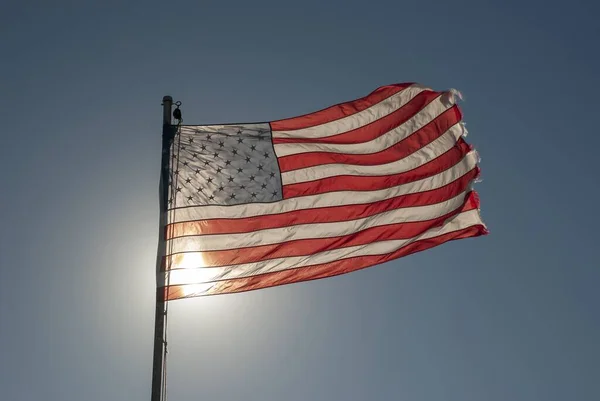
(160, 314)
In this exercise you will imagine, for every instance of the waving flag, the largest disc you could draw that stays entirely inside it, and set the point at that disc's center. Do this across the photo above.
(354, 185)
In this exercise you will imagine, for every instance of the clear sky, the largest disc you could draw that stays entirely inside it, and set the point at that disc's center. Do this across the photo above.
(511, 316)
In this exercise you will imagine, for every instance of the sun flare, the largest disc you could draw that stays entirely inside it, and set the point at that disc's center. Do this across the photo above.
(190, 271)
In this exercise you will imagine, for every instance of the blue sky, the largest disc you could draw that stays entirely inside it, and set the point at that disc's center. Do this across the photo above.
(511, 316)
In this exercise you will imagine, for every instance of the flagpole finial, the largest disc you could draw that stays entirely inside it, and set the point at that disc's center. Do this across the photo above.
(167, 104)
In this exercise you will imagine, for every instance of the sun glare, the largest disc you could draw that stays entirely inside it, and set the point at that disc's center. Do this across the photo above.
(190, 272)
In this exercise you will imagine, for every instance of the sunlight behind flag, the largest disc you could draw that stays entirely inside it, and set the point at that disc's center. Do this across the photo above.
(189, 271)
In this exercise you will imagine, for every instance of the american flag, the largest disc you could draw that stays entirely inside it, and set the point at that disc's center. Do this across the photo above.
(357, 184)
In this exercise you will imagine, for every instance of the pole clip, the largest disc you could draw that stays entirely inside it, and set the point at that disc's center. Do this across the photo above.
(177, 113)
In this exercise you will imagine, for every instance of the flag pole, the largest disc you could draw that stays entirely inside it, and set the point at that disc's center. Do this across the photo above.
(160, 313)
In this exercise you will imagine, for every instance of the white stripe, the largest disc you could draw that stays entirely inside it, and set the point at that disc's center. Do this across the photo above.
(390, 138)
(219, 242)
(249, 129)
(211, 274)
(414, 160)
(356, 120)
(338, 198)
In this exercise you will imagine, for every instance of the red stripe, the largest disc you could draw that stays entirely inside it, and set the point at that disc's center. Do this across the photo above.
(324, 270)
(338, 111)
(311, 246)
(320, 215)
(405, 147)
(372, 183)
(376, 128)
